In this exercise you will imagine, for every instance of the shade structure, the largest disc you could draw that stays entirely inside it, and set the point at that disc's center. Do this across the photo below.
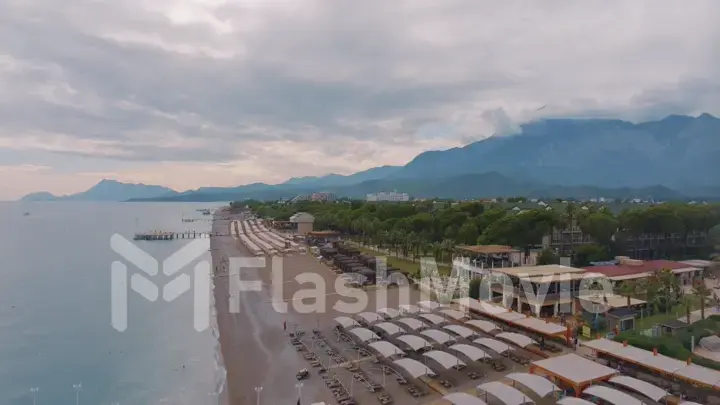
(389, 328)
(511, 316)
(538, 325)
(415, 342)
(410, 309)
(505, 393)
(471, 352)
(516, 338)
(414, 367)
(689, 403)
(389, 312)
(454, 314)
(438, 336)
(386, 349)
(433, 318)
(574, 370)
(535, 383)
(494, 345)
(429, 305)
(612, 395)
(412, 323)
(574, 401)
(460, 330)
(445, 359)
(641, 387)
(346, 322)
(370, 317)
(485, 326)
(692, 373)
(363, 334)
(462, 398)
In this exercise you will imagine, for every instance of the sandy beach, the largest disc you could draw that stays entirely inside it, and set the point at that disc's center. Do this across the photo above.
(254, 345)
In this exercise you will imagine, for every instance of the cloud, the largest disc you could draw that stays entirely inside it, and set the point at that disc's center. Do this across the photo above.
(285, 88)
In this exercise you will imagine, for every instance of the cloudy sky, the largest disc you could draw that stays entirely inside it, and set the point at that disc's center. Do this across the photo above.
(190, 93)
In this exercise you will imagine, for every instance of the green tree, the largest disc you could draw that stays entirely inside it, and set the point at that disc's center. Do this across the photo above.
(586, 254)
(601, 226)
(702, 292)
(468, 234)
(547, 256)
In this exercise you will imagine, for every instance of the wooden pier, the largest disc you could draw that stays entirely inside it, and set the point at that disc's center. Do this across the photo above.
(163, 235)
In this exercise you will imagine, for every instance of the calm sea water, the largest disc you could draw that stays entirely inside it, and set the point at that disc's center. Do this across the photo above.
(55, 319)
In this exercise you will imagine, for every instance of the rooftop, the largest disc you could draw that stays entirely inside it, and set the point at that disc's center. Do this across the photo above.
(535, 271)
(650, 266)
(488, 249)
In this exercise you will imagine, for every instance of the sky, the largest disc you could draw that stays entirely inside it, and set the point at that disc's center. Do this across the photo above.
(191, 93)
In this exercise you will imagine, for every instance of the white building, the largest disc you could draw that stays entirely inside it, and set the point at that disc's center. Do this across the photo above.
(388, 196)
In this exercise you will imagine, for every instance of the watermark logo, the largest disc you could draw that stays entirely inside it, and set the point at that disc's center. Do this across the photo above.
(142, 285)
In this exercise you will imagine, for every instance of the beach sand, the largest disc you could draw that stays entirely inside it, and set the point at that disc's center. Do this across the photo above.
(254, 344)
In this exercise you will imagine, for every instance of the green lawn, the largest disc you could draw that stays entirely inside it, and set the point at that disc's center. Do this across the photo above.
(405, 265)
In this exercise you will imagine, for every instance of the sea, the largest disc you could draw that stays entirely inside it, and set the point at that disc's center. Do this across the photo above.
(57, 341)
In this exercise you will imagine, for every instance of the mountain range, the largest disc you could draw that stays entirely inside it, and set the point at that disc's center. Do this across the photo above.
(676, 157)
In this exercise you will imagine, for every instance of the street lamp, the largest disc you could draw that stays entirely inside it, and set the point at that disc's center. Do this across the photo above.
(299, 387)
(34, 392)
(258, 390)
(77, 387)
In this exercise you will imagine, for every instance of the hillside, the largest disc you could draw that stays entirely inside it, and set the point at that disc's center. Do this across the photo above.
(107, 190)
(676, 152)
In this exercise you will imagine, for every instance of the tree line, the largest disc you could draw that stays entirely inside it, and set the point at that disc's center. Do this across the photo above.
(421, 228)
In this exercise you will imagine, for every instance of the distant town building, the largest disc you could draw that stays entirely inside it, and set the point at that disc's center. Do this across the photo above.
(324, 196)
(387, 196)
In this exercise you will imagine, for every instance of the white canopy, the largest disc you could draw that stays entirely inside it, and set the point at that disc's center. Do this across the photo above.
(505, 393)
(541, 326)
(364, 334)
(445, 359)
(412, 323)
(409, 309)
(438, 336)
(455, 314)
(537, 384)
(576, 401)
(389, 312)
(471, 352)
(612, 395)
(494, 345)
(461, 398)
(642, 387)
(485, 326)
(386, 349)
(433, 318)
(414, 367)
(370, 317)
(689, 403)
(460, 330)
(415, 342)
(389, 328)
(575, 369)
(346, 322)
(429, 305)
(511, 316)
(518, 339)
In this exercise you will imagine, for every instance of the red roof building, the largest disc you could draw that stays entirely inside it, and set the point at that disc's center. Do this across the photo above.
(634, 269)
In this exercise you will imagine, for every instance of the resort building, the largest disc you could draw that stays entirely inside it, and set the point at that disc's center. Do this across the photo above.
(324, 196)
(629, 269)
(479, 259)
(387, 196)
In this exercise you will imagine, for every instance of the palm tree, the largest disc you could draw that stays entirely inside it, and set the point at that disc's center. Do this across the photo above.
(701, 290)
(447, 245)
(628, 289)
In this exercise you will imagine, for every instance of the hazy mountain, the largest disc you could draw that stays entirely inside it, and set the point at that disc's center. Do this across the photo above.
(674, 152)
(108, 190)
(467, 186)
(340, 180)
(39, 196)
